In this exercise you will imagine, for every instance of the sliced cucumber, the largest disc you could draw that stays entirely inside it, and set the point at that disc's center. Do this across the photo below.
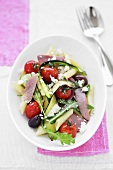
(62, 111)
(57, 63)
(61, 83)
(40, 130)
(50, 126)
(49, 93)
(51, 104)
(46, 102)
(40, 88)
(90, 98)
(37, 97)
(45, 87)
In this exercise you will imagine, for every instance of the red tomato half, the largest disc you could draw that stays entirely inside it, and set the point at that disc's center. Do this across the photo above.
(31, 66)
(47, 71)
(63, 92)
(70, 129)
(32, 109)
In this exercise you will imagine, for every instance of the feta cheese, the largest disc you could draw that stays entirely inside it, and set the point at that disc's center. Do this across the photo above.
(41, 116)
(80, 82)
(48, 59)
(50, 92)
(83, 127)
(60, 69)
(66, 68)
(50, 85)
(53, 79)
(55, 109)
(85, 89)
(63, 69)
(33, 73)
(20, 82)
(68, 61)
(60, 76)
(54, 58)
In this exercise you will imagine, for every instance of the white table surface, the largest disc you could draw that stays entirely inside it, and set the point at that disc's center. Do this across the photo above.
(49, 17)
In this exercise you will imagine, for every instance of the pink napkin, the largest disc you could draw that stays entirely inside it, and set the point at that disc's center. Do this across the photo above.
(14, 18)
(98, 144)
(14, 15)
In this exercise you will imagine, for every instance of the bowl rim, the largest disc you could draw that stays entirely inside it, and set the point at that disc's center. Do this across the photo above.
(105, 89)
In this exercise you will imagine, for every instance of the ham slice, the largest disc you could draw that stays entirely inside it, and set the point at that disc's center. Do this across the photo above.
(75, 119)
(44, 58)
(82, 103)
(61, 58)
(29, 89)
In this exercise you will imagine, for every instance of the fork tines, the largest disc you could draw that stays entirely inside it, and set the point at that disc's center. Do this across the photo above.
(83, 18)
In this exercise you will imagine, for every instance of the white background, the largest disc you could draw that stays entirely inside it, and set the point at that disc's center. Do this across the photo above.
(48, 17)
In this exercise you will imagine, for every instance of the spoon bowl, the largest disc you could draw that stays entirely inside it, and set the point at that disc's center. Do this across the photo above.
(96, 22)
(95, 17)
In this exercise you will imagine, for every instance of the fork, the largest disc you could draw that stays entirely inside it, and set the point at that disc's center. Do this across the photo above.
(88, 30)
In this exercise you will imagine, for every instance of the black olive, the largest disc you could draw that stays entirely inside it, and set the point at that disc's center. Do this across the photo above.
(81, 77)
(35, 121)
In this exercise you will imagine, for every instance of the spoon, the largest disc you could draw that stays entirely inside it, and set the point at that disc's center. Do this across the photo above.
(97, 28)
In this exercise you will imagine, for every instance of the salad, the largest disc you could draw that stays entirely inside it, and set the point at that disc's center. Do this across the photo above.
(56, 97)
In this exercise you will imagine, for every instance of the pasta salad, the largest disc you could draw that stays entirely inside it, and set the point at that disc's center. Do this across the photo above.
(56, 97)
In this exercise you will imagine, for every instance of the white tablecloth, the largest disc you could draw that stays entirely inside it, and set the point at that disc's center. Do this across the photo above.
(55, 17)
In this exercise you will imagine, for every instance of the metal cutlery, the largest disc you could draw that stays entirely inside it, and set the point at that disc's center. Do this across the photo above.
(92, 25)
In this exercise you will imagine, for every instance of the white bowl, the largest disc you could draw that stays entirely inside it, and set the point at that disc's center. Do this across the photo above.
(82, 55)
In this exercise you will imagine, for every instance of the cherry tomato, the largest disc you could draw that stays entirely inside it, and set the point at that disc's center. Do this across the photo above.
(32, 109)
(47, 71)
(31, 66)
(63, 92)
(69, 128)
